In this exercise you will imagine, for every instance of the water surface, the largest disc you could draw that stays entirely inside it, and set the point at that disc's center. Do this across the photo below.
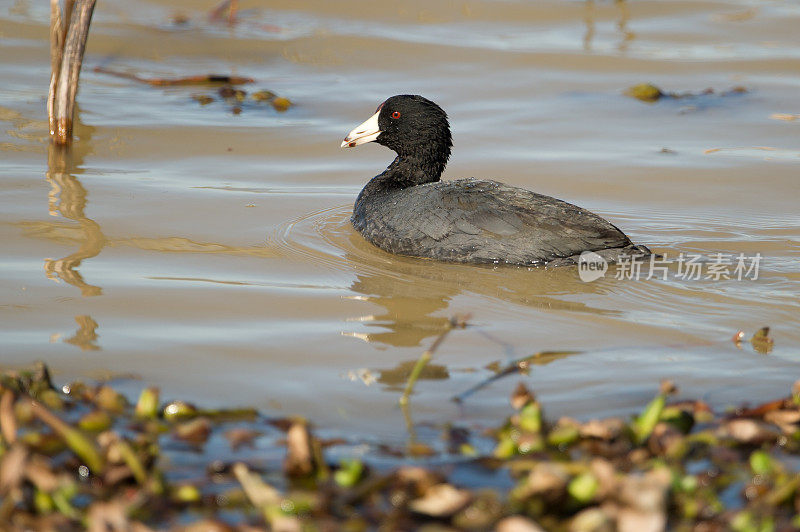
(211, 253)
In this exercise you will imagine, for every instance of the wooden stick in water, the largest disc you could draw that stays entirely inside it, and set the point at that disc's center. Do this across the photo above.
(56, 49)
(71, 33)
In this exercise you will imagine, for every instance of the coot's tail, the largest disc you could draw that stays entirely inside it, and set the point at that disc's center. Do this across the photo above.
(610, 255)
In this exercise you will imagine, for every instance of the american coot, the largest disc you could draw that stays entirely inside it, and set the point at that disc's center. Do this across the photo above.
(407, 210)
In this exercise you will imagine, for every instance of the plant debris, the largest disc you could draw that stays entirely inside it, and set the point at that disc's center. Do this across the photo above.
(203, 79)
(647, 92)
(761, 341)
(238, 98)
(228, 91)
(84, 457)
(786, 117)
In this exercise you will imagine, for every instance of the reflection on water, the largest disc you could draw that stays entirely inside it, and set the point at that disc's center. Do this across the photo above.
(86, 336)
(187, 278)
(588, 20)
(626, 35)
(409, 307)
(68, 198)
(412, 291)
(396, 377)
(417, 290)
(520, 366)
(622, 25)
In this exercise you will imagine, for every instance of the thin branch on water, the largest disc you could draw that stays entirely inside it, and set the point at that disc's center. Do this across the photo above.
(203, 79)
(521, 365)
(459, 321)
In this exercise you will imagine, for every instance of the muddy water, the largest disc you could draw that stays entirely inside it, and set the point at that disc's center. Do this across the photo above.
(211, 253)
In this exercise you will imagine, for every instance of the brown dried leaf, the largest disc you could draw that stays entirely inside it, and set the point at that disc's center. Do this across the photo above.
(632, 520)
(606, 476)
(441, 500)
(664, 436)
(546, 478)
(419, 478)
(521, 396)
(259, 492)
(298, 460)
(786, 420)
(12, 467)
(195, 431)
(603, 429)
(517, 523)
(208, 525)
(667, 387)
(116, 474)
(748, 431)
(647, 493)
(592, 520)
(108, 517)
(783, 417)
(762, 409)
(136, 526)
(40, 473)
(8, 420)
(241, 436)
(419, 450)
(249, 528)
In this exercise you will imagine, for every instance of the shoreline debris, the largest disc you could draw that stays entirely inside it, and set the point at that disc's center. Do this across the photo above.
(86, 457)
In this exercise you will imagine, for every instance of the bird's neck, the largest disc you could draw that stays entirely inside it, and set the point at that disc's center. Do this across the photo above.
(409, 171)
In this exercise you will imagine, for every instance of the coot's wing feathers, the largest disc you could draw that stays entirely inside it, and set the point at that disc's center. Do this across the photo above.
(494, 222)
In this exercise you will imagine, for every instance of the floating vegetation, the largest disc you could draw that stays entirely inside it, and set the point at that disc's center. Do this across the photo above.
(203, 79)
(85, 457)
(762, 342)
(647, 92)
(238, 99)
(786, 117)
(229, 91)
(202, 99)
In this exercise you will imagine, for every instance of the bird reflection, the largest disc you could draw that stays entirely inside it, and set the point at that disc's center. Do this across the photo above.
(409, 307)
(416, 294)
(68, 198)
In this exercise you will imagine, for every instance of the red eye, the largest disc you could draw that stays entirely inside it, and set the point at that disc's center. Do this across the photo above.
(396, 115)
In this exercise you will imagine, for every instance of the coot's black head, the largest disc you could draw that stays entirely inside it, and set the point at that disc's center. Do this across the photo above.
(415, 128)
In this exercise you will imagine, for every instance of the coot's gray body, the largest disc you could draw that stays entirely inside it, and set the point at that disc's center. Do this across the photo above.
(407, 210)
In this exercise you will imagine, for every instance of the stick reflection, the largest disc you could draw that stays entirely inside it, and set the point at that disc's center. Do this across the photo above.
(68, 198)
(85, 336)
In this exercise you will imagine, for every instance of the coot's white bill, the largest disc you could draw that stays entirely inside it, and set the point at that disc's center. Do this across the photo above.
(366, 132)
